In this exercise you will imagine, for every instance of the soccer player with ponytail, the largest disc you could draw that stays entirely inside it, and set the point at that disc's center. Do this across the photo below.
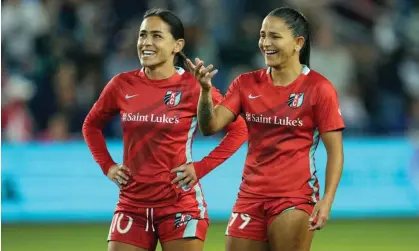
(288, 108)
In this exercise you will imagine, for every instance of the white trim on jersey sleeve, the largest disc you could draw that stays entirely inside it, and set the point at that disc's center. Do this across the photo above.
(188, 152)
(313, 178)
(188, 147)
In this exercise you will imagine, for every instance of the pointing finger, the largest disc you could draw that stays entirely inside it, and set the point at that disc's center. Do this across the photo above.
(206, 70)
(198, 68)
(190, 64)
(213, 73)
(198, 60)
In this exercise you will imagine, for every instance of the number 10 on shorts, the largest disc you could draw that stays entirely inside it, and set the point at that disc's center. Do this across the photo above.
(244, 217)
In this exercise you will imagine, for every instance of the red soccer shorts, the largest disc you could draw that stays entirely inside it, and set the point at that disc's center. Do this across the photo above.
(251, 219)
(142, 227)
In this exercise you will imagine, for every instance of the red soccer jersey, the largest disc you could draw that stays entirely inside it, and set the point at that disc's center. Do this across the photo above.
(284, 125)
(159, 123)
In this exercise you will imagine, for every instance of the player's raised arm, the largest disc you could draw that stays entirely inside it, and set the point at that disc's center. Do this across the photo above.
(235, 137)
(211, 119)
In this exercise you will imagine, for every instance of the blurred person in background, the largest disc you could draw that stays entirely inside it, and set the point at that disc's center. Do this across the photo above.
(57, 130)
(39, 36)
(414, 138)
(123, 59)
(22, 23)
(16, 120)
(414, 118)
(66, 97)
(288, 108)
(334, 61)
(160, 197)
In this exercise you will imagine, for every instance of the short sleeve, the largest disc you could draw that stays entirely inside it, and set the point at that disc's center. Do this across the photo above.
(327, 114)
(216, 96)
(232, 98)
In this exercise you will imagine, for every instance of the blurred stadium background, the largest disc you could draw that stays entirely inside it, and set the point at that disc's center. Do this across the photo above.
(58, 55)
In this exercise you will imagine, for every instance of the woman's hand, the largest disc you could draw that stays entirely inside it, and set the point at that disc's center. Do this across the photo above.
(186, 176)
(201, 73)
(119, 174)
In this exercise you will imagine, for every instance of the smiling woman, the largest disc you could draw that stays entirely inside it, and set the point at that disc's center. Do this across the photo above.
(160, 44)
(288, 108)
(276, 43)
(160, 196)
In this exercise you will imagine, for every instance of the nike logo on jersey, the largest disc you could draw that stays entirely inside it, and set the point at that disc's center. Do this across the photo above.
(253, 97)
(130, 96)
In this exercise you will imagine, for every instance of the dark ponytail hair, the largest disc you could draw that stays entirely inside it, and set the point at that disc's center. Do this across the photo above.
(299, 26)
(176, 29)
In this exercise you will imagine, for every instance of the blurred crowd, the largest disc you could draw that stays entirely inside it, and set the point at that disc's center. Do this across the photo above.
(58, 55)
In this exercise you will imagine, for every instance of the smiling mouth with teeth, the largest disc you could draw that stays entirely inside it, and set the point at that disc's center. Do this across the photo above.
(148, 53)
(271, 52)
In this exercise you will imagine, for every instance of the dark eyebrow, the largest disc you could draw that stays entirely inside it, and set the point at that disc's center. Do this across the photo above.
(271, 33)
(152, 32)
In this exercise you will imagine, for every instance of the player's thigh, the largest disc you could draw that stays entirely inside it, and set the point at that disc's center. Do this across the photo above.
(288, 231)
(246, 231)
(128, 231)
(183, 222)
(188, 234)
(186, 229)
(241, 244)
(120, 246)
(184, 244)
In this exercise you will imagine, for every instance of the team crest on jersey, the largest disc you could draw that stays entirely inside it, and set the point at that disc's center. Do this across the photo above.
(172, 98)
(182, 219)
(296, 100)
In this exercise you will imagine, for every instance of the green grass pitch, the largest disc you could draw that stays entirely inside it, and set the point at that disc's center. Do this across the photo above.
(348, 235)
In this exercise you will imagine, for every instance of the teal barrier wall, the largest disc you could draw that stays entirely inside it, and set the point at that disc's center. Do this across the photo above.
(61, 182)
